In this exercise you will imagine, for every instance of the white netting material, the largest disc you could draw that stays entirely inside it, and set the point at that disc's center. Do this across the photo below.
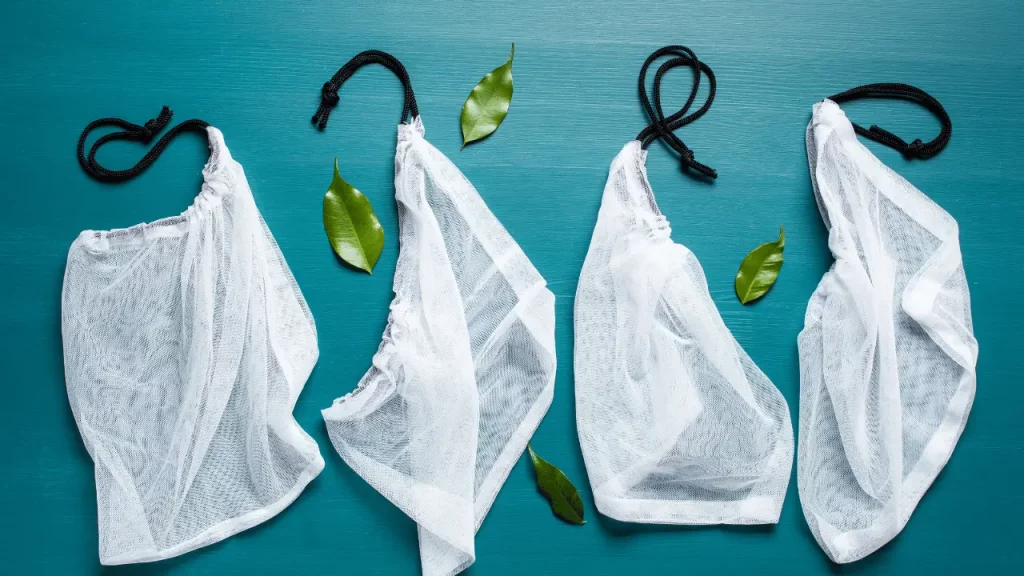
(186, 344)
(466, 368)
(677, 424)
(887, 354)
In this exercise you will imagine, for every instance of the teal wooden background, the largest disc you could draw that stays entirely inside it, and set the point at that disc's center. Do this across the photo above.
(254, 70)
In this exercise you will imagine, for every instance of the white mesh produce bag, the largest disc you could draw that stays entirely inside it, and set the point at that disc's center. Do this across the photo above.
(186, 344)
(677, 424)
(887, 354)
(466, 368)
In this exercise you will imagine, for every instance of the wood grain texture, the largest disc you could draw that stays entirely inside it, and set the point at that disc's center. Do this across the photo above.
(255, 69)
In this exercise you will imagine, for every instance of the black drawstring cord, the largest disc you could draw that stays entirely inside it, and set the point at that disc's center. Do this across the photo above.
(664, 127)
(329, 91)
(144, 134)
(915, 149)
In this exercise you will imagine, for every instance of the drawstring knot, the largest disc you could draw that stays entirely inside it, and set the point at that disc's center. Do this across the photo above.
(329, 92)
(664, 127)
(328, 100)
(913, 150)
(156, 125)
(917, 148)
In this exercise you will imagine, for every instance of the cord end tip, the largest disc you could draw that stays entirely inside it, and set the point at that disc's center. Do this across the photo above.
(319, 120)
(688, 163)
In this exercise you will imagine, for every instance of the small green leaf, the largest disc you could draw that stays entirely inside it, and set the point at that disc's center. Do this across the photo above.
(488, 103)
(352, 227)
(759, 269)
(565, 500)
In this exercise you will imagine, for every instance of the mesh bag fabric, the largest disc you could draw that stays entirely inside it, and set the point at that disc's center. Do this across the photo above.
(186, 344)
(676, 423)
(465, 371)
(887, 354)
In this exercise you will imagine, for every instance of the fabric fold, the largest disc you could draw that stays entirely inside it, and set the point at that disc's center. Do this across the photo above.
(887, 354)
(186, 344)
(465, 370)
(677, 424)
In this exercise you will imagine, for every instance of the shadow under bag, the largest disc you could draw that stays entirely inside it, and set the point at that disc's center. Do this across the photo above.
(677, 424)
(466, 367)
(887, 353)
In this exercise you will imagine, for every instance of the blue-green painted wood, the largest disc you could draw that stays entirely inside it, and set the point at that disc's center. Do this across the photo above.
(255, 69)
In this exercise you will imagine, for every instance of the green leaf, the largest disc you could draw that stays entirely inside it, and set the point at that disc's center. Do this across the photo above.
(352, 227)
(565, 500)
(488, 103)
(759, 269)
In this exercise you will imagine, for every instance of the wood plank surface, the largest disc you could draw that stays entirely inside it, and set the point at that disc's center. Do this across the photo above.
(254, 69)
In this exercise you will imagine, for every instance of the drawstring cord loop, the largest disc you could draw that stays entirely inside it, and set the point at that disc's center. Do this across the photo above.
(917, 148)
(664, 127)
(329, 92)
(133, 132)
